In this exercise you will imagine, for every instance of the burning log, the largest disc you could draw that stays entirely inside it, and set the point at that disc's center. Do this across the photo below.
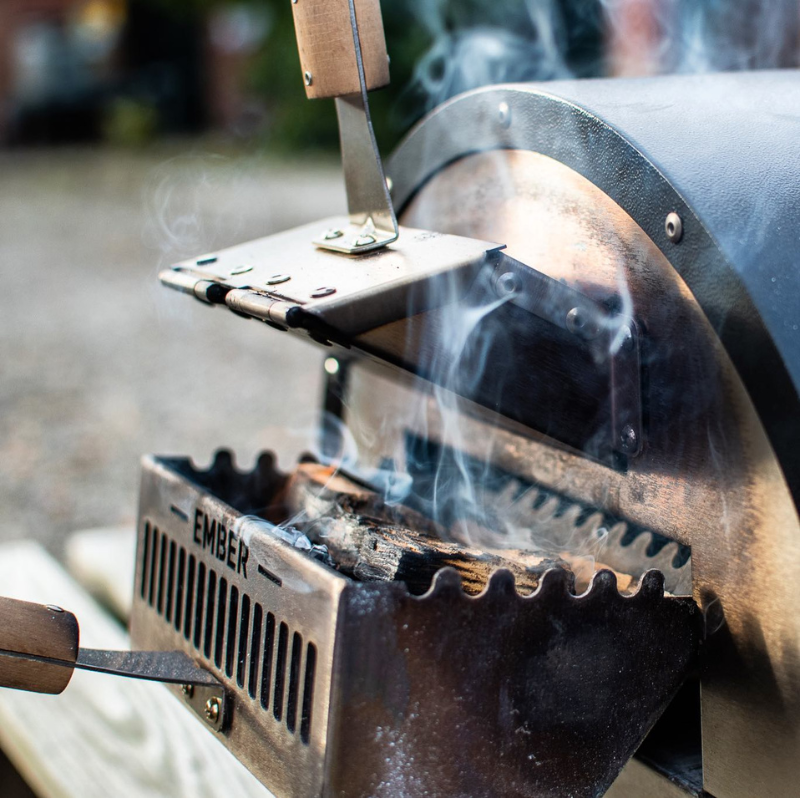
(373, 541)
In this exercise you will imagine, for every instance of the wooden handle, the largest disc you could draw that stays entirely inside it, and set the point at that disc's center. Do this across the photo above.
(46, 631)
(327, 48)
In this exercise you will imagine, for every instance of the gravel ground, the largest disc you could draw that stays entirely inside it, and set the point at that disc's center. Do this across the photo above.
(100, 364)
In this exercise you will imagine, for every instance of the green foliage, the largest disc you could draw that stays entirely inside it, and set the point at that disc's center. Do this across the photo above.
(476, 42)
(293, 122)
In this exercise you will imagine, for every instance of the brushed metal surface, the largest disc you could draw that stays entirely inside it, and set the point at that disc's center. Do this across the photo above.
(307, 598)
(409, 694)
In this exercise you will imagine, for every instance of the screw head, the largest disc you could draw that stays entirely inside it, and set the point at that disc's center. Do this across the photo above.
(364, 239)
(504, 114)
(507, 284)
(628, 439)
(276, 279)
(673, 226)
(308, 78)
(580, 323)
(333, 233)
(188, 690)
(213, 707)
(56, 609)
(323, 291)
(241, 270)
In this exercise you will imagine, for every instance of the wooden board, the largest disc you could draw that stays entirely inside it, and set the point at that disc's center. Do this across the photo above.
(102, 560)
(105, 736)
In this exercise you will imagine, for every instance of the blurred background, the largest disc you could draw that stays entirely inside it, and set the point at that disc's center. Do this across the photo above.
(134, 133)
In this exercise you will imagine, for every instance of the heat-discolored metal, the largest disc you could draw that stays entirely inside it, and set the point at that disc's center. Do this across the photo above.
(340, 688)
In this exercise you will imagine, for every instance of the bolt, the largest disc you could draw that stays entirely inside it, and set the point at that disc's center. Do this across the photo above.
(507, 284)
(504, 114)
(56, 609)
(364, 239)
(276, 279)
(673, 225)
(188, 690)
(333, 233)
(213, 707)
(323, 291)
(308, 78)
(242, 270)
(628, 439)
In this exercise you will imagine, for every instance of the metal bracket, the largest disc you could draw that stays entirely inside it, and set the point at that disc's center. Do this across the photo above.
(372, 223)
(212, 704)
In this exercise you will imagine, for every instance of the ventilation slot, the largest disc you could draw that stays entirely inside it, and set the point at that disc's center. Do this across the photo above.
(280, 671)
(179, 588)
(170, 582)
(162, 564)
(308, 692)
(187, 617)
(153, 567)
(198, 608)
(233, 618)
(211, 599)
(255, 649)
(145, 561)
(294, 682)
(244, 629)
(266, 671)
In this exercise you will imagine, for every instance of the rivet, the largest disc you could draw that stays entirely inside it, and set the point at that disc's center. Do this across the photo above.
(276, 279)
(188, 690)
(241, 270)
(628, 439)
(213, 707)
(323, 291)
(333, 233)
(56, 609)
(673, 225)
(331, 365)
(504, 114)
(308, 78)
(364, 240)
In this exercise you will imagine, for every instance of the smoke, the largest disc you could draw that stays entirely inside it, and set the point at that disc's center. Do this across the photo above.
(478, 44)
(454, 348)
